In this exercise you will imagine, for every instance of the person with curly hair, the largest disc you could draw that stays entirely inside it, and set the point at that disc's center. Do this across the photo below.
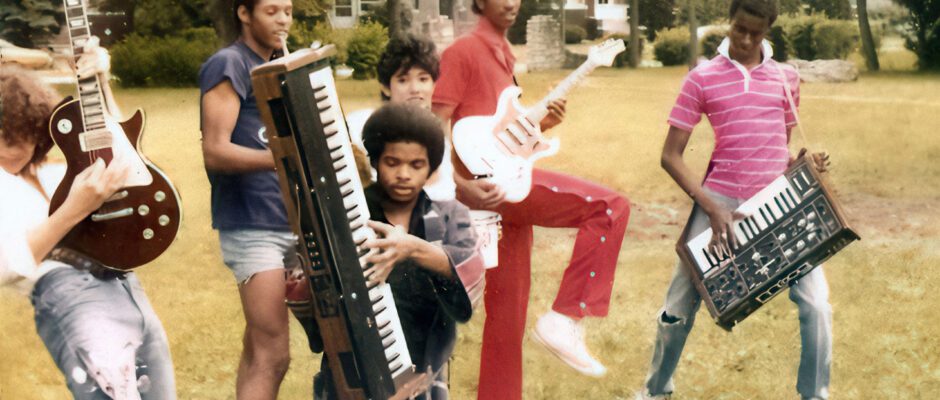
(428, 248)
(99, 328)
(407, 71)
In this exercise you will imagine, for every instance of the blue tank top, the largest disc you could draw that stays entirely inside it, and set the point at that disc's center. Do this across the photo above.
(251, 200)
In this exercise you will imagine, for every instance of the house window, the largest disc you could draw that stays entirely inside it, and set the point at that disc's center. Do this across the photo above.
(343, 8)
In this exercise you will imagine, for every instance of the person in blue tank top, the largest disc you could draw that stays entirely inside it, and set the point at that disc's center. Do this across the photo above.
(257, 242)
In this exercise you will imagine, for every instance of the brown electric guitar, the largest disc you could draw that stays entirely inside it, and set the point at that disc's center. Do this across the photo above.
(141, 220)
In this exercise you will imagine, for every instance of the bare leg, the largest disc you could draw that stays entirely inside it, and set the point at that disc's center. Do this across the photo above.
(266, 351)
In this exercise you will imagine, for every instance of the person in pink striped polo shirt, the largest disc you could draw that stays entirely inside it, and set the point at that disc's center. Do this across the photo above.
(742, 92)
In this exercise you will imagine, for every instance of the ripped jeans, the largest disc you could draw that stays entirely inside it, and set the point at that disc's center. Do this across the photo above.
(104, 336)
(675, 320)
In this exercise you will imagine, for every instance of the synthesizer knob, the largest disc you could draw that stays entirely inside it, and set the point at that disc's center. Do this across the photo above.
(811, 237)
(811, 216)
(801, 223)
(800, 245)
(782, 237)
(788, 253)
(756, 256)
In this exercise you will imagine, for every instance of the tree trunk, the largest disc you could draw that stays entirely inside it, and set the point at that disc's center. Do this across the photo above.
(634, 33)
(693, 35)
(868, 43)
(222, 19)
(394, 17)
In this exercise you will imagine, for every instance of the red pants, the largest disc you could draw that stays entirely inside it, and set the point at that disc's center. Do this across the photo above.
(558, 201)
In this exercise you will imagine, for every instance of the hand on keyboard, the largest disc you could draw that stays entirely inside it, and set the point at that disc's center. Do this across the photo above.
(723, 239)
(820, 159)
(395, 245)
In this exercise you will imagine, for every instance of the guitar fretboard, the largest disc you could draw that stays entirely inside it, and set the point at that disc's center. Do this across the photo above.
(538, 112)
(89, 88)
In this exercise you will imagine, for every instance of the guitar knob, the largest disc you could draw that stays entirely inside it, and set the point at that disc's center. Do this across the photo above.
(143, 210)
(163, 220)
(64, 126)
(148, 234)
(159, 196)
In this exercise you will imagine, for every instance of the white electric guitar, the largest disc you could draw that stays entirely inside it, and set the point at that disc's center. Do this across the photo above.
(504, 147)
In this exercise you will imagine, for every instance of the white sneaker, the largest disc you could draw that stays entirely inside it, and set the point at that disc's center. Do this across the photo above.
(645, 395)
(564, 337)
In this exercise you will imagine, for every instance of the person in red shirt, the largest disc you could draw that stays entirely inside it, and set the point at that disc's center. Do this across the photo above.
(474, 71)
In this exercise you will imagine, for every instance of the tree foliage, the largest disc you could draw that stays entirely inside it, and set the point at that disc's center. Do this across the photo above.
(838, 9)
(924, 38)
(657, 15)
(26, 22)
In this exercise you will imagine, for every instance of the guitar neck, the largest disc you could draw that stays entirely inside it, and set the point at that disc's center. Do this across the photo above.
(540, 110)
(89, 89)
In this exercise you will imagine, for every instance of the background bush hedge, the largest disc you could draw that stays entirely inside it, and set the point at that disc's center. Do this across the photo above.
(710, 41)
(574, 34)
(163, 61)
(364, 49)
(813, 37)
(672, 46)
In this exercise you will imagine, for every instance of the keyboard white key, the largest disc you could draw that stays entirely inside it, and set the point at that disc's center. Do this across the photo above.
(357, 213)
(769, 205)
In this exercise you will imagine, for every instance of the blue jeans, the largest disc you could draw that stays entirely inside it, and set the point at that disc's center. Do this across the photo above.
(675, 320)
(104, 336)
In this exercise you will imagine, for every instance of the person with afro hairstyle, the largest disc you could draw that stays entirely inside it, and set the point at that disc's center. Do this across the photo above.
(427, 249)
(99, 327)
(743, 92)
(407, 71)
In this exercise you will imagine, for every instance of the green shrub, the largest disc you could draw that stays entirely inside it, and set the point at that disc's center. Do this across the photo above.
(672, 46)
(303, 34)
(835, 39)
(574, 34)
(364, 49)
(799, 34)
(710, 41)
(623, 59)
(813, 37)
(591, 28)
(778, 40)
(163, 61)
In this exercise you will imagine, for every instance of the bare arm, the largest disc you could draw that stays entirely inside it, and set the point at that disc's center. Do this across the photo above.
(89, 190)
(720, 218)
(220, 107)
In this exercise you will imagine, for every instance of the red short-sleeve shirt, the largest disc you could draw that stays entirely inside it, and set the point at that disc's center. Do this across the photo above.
(474, 71)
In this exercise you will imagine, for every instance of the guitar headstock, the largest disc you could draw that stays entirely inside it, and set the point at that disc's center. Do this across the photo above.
(604, 53)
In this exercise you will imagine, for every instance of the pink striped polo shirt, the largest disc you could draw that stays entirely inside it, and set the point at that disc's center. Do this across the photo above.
(749, 113)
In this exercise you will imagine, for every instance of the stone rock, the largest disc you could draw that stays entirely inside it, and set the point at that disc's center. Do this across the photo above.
(825, 70)
(544, 44)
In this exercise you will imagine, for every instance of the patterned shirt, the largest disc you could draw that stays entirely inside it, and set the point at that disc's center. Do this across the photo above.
(750, 115)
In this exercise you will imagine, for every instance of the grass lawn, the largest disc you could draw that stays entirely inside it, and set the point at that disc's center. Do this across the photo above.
(881, 132)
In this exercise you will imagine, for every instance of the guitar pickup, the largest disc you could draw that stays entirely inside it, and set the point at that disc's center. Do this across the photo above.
(95, 140)
(126, 212)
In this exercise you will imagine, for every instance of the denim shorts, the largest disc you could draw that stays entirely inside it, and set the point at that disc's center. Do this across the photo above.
(250, 251)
